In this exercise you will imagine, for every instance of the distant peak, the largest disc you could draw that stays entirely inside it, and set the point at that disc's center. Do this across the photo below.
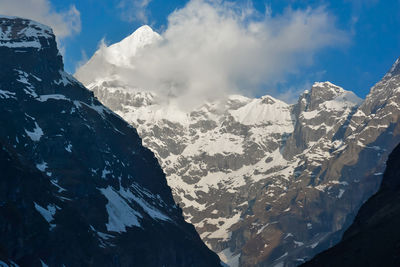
(121, 54)
(144, 28)
(394, 70)
(326, 92)
(144, 33)
(327, 84)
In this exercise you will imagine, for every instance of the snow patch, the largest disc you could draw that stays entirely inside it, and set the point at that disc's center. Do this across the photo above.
(346, 99)
(120, 214)
(7, 94)
(265, 226)
(42, 166)
(298, 243)
(308, 115)
(65, 79)
(11, 264)
(229, 258)
(149, 209)
(223, 230)
(23, 78)
(69, 147)
(43, 264)
(288, 235)
(48, 213)
(283, 256)
(55, 183)
(44, 98)
(105, 173)
(341, 192)
(35, 134)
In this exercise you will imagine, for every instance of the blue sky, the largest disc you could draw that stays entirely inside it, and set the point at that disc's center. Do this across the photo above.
(370, 26)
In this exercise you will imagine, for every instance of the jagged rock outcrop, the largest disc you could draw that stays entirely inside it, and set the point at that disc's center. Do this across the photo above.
(265, 183)
(77, 187)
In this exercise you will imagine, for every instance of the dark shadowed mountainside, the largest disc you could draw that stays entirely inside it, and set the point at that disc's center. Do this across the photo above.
(77, 188)
(374, 237)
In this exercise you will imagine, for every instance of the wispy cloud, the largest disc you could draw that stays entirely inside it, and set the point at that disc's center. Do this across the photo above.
(64, 23)
(214, 48)
(102, 44)
(134, 10)
(83, 60)
(358, 6)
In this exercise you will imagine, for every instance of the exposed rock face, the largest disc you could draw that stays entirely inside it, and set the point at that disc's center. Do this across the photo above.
(265, 183)
(77, 188)
(373, 239)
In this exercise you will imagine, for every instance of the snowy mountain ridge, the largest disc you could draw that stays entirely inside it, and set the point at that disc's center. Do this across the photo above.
(264, 182)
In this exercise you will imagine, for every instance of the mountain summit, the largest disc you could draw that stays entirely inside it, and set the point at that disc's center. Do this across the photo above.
(77, 187)
(120, 55)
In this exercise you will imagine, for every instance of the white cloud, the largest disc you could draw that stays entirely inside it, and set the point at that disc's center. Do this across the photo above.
(134, 10)
(214, 48)
(83, 60)
(64, 24)
(291, 94)
(84, 57)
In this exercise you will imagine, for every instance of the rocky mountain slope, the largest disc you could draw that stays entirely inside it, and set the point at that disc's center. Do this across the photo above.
(373, 239)
(77, 187)
(265, 183)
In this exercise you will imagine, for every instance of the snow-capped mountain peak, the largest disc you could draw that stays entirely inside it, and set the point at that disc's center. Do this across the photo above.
(108, 60)
(122, 53)
(326, 95)
(328, 85)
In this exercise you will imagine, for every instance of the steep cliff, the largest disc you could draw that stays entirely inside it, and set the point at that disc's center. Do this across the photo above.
(77, 188)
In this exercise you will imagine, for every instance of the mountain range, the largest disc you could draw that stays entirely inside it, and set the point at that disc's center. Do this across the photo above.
(264, 182)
